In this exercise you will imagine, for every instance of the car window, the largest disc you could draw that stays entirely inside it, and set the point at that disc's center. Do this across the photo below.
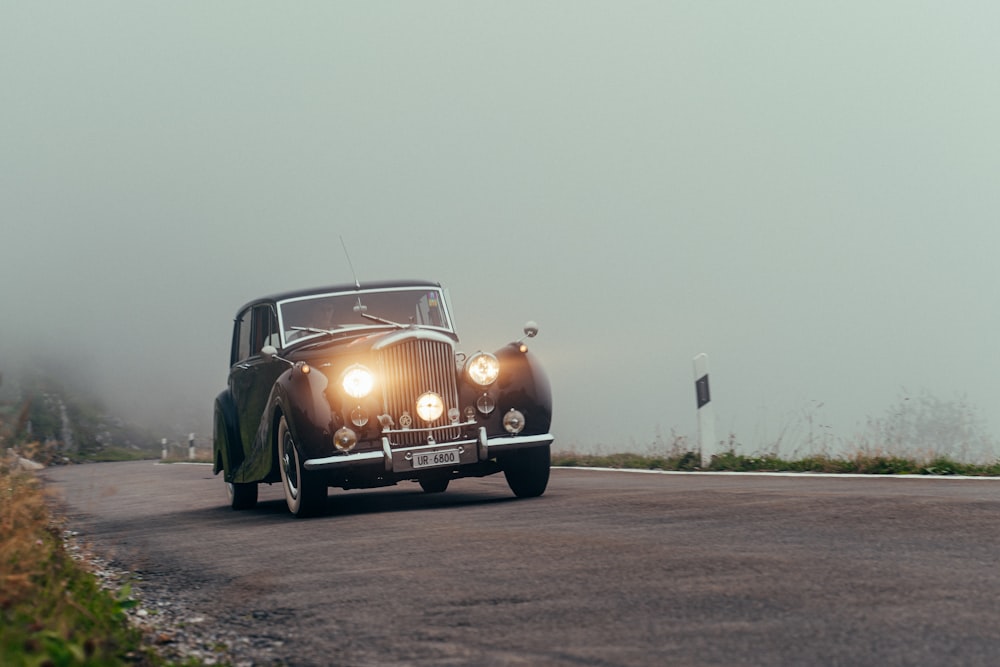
(429, 310)
(241, 337)
(265, 329)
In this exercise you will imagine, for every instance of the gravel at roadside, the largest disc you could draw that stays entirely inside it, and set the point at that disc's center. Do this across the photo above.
(175, 630)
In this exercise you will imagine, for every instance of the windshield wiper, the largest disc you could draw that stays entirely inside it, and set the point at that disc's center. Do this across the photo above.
(376, 318)
(362, 310)
(315, 330)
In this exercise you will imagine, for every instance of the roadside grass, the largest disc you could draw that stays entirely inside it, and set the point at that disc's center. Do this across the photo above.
(114, 454)
(733, 461)
(201, 456)
(49, 453)
(53, 610)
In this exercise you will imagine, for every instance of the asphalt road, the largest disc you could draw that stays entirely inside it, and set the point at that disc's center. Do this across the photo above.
(607, 568)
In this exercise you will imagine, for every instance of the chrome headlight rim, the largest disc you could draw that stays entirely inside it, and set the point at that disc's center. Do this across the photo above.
(345, 439)
(482, 368)
(513, 421)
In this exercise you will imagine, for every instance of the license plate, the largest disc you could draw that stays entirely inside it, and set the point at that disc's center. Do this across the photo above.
(445, 457)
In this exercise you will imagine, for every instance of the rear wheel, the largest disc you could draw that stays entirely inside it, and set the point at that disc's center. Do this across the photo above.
(242, 496)
(527, 471)
(305, 493)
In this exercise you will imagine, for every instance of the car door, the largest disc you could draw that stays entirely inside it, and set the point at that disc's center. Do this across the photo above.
(251, 376)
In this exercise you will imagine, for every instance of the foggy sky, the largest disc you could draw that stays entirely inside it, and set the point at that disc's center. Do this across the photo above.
(805, 191)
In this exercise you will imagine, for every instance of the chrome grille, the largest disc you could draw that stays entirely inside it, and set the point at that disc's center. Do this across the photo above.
(410, 369)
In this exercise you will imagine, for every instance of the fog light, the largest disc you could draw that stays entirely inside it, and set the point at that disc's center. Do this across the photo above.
(513, 421)
(359, 417)
(430, 406)
(345, 439)
(453, 415)
(485, 404)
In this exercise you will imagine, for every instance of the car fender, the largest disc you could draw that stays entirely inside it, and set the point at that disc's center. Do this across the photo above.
(301, 398)
(524, 385)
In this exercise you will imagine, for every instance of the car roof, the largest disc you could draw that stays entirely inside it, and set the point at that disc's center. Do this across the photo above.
(343, 287)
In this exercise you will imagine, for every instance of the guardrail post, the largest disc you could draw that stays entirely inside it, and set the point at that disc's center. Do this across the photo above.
(706, 419)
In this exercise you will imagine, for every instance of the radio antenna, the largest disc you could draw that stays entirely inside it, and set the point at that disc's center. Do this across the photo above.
(348, 255)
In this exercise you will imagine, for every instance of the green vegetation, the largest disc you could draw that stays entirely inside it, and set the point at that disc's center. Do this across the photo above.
(732, 461)
(111, 454)
(920, 434)
(62, 423)
(52, 611)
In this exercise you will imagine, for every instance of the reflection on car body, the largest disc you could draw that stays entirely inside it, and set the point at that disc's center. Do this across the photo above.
(361, 386)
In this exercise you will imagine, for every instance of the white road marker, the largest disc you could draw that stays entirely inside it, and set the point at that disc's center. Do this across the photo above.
(706, 418)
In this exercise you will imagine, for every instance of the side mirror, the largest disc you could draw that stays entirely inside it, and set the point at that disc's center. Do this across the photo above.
(531, 329)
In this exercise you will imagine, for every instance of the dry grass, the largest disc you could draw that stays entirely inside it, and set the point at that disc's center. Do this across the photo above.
(23, 516)
(52, 611)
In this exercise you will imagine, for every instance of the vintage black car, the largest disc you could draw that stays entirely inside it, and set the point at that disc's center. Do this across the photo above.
(363, 385)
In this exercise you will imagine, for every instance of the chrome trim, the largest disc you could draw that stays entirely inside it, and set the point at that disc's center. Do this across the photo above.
(428, 429)
(437, 445)
(402, 457)
(486, 448)
(387, 453)
(404, 335)
(343, 460)
(409, 366)
(509, 443)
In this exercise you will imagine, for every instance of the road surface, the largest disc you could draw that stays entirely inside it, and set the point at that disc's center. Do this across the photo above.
(607, 568)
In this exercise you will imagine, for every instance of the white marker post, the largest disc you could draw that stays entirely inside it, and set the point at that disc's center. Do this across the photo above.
(191, 447)
(164, 442)
(706, 419)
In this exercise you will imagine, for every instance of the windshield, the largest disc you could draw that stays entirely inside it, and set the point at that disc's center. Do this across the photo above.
(327, 313)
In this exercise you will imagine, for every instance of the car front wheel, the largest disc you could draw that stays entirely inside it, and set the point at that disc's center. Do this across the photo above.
(527, 471)
(304, 492)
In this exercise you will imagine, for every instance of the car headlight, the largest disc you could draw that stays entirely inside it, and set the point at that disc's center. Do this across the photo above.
(358, 381)
(513, 421)
(483, 368)
(430, 406)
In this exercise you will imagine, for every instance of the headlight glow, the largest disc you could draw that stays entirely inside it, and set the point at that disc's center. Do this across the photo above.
(430, 406)
(358, 381)
(483, 368)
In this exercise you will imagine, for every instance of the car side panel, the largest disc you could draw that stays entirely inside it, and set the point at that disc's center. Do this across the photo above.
(301, 399)
(227, 453)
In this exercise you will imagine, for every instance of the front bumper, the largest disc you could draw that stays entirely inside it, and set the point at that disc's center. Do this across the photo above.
(400, 459)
